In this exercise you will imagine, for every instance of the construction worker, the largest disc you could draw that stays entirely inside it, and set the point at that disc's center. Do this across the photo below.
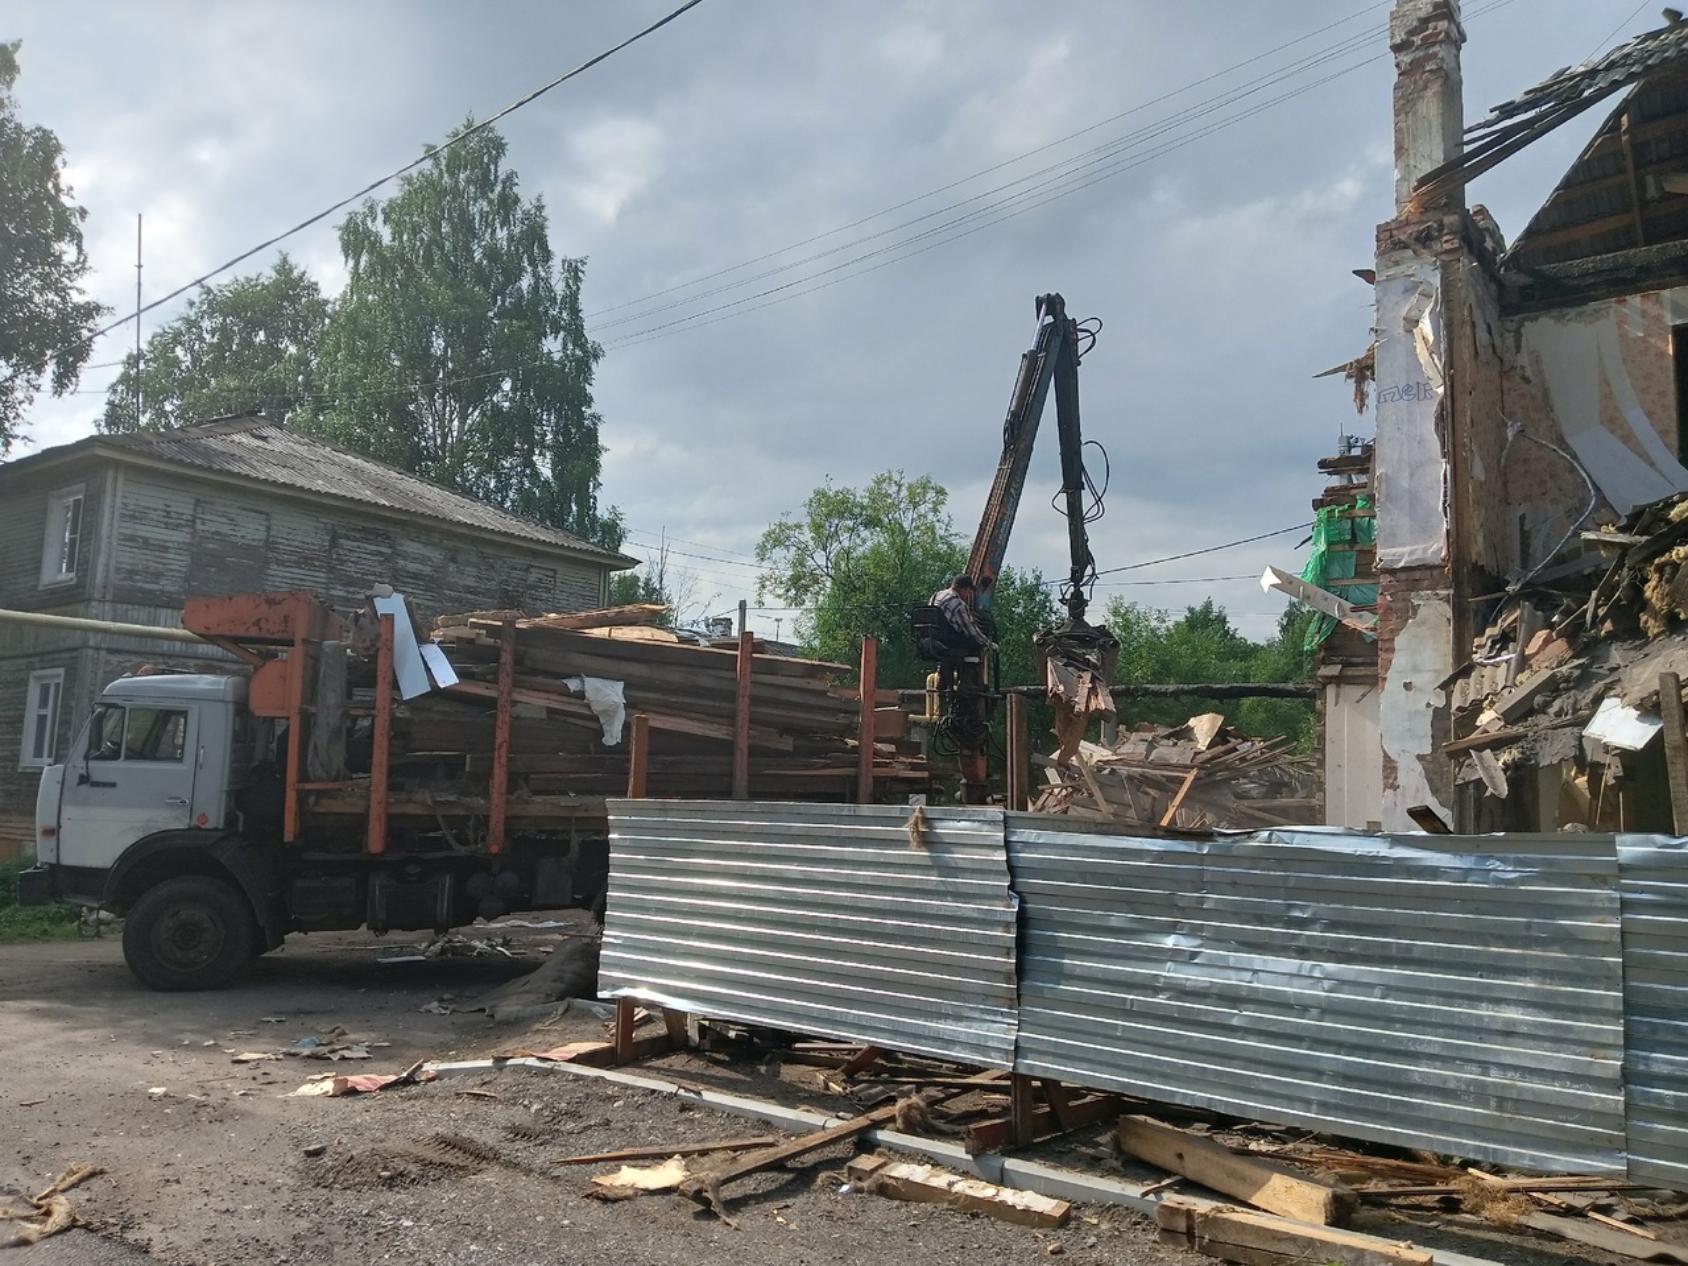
(956, 603)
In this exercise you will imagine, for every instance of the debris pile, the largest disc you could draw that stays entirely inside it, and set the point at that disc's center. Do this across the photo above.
(1194, 776)
(1557, 711)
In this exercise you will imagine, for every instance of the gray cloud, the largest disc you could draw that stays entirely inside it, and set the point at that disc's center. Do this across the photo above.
(1220, 268)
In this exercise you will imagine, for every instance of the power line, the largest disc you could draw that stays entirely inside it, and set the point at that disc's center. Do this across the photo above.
(1610, 35)
(986, 171)
(429, 156)
(1193, 553)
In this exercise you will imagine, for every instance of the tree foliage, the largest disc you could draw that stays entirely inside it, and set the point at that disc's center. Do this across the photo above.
(458, 350)
(1202, 646)
(247, 346)
(45, 319)
(855, 560)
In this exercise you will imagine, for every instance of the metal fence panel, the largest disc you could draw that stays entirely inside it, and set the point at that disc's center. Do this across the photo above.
(818, 918)
(1655, 912)
(1429, 991)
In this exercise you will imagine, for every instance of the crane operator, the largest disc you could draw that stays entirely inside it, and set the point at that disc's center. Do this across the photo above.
(956, 603)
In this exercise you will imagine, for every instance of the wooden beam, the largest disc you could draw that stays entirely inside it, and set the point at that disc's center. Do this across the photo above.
(1019, 777)
(662, 1151)
(925, 1184)
(869, 683)
(988, 1136)
(298, 666)
(741, 717)
(1177, 801)
(675, 1022)
(639, 758)
(498, 786)
(381, 741)
(1636, 224)
(1258, 1239)
(706, 1188)
(1022, 1111)
(1263, 1183)
(861, 1061)
(624, 1026)
(1676, 748)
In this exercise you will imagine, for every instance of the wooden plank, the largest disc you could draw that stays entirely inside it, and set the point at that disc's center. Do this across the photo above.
(1605, 1238)
(989, 1136)
(381, 748)
(675, 1023)
(741, 718)
(1258, 1239)
(1676, 748)
(1019, 777)
(926, 1184)
(1263, 1183)
(639, 760)
(861, 1061)
(498, 787)
(646, 613)
(624, 1025)
(865, 723)
(1177, 801)
(662, 1151)
(706, 1188)
(1094, 787)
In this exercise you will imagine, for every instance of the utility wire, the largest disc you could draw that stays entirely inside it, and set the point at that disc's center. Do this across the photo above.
(373, 185)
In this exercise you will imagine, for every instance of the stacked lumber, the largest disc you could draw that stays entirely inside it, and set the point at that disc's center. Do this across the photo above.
(803, 723)
(1196, 776)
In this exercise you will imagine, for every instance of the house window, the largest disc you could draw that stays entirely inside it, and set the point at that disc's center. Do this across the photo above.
(61, 553)
(41, 719)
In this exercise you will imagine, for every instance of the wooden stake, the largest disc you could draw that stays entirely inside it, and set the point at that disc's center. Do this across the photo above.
(624, 1008)
(382, 745)
(639, 758)
(741, 717)
(1676, 748)
(1019, 755)
(498, 790)
(864, 727)
(1171, 814)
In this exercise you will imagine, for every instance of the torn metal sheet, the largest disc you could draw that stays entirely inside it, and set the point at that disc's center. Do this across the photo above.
(1616, 724)
(408, 669)
(439, 667)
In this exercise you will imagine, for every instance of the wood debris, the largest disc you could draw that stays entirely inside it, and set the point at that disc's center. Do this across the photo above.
(1194, 776)
(1257, 1239)
(927, 1184)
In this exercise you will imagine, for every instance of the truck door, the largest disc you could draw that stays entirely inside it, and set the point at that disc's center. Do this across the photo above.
(132, 777)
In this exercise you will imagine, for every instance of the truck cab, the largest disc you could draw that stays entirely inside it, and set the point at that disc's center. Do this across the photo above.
(147, 790)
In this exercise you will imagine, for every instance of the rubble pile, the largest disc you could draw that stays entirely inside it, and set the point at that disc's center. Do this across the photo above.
(1198, 775)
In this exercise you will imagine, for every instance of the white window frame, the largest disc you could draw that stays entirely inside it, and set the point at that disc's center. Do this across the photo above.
(58, 546)
(28, 757)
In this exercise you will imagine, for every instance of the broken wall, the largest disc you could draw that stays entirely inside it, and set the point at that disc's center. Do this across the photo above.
(1598, 383)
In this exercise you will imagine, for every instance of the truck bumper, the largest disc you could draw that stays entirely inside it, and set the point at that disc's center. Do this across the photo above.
(35, 886)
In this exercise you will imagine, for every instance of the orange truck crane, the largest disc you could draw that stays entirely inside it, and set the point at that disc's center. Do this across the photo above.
(185, 803)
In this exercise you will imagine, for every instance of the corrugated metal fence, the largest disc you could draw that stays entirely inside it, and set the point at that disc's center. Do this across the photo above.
(1655, 905)
(1394, 988)
(822, 919)
(1507, 998)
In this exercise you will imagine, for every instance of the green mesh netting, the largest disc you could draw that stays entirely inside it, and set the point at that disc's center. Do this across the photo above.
(1332, 526)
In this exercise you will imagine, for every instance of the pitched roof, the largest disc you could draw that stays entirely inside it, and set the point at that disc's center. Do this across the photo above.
(259, 449)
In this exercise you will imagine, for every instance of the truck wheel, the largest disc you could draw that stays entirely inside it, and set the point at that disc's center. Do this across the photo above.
(189, 933)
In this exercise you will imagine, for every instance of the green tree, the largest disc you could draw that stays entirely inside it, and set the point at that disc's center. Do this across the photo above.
(45, 319)
(856, 559)
(247, 346)
(1202, 646)
(457, 349)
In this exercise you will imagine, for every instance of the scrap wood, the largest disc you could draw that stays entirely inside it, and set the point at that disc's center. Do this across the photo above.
(1259, 1239)
(671, 1150)
(927, 1184)
(706, 1188)
(1263, 1183)
(1596, 1235)
(50, 1212)
(633, 1180)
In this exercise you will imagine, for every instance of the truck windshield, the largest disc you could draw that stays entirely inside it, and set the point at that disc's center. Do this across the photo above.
(137, 733)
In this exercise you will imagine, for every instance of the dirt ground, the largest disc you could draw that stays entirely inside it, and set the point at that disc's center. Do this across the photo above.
(207, 1160)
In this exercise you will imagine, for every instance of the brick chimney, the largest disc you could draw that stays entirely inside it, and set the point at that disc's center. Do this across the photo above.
(1425, 36)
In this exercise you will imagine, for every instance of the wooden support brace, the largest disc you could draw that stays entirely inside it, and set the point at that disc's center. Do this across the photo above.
(1022, 1119)
(639, 758)
(675, 1022)
(498, 789)
(1676, 748)
(1019, 755)
(741, 717)
(990, 1136)
(624, 1009)
(865, 720)
(382, 739)
(861, 1061)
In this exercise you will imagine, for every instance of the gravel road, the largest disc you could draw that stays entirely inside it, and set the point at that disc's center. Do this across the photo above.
(207, 1160)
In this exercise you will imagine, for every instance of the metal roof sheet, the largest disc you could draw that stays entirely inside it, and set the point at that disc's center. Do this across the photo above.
(259, 449)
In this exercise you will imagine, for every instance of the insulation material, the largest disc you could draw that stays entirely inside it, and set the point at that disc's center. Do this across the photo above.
(1411, 471)
(607, 701)
(1407, 709)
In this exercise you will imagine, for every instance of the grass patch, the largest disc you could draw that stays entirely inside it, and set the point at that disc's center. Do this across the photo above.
(56, 922)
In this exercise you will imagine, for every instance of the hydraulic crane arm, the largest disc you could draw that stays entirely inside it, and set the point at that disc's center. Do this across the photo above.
(1051, 361)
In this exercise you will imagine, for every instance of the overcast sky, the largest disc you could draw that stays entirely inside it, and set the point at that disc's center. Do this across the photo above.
(1219, 263)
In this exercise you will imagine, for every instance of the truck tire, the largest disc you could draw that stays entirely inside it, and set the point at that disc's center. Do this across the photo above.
(189, 933)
